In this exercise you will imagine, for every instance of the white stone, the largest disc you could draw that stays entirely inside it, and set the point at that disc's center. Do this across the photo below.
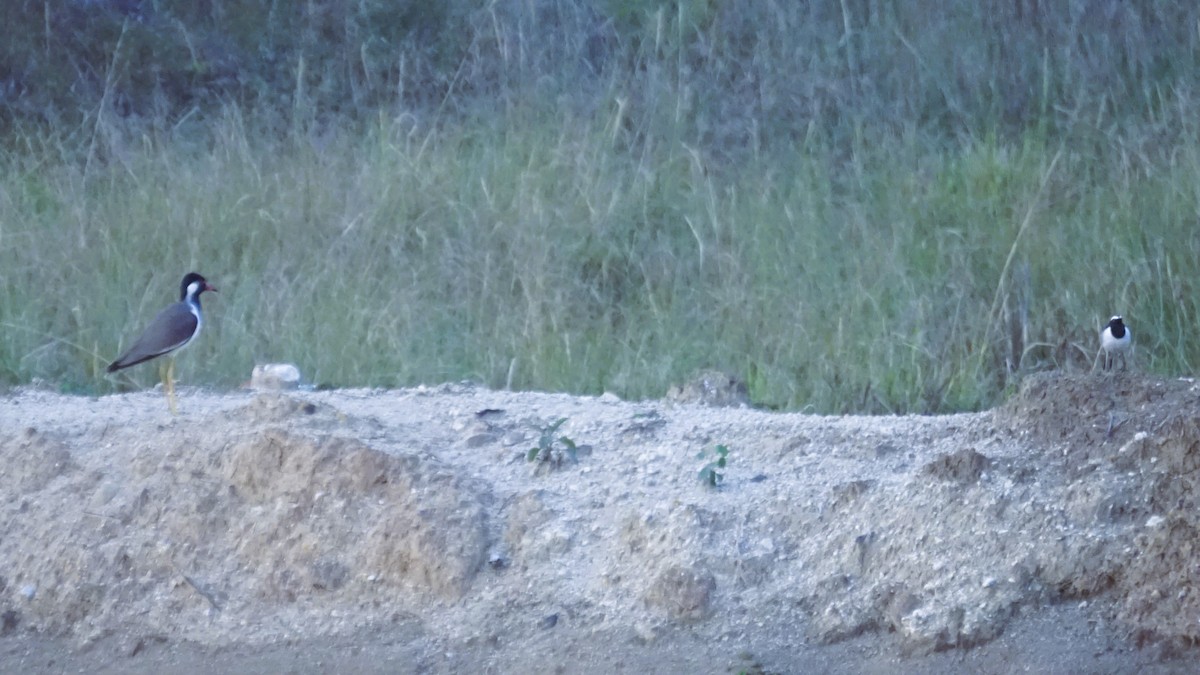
(275, 376)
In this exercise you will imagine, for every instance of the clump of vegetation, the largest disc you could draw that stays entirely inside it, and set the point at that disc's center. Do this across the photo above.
(645, 188)
(718, 457)
(552, 450)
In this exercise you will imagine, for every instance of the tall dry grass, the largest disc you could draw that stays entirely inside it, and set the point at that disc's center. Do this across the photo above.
(851, 206)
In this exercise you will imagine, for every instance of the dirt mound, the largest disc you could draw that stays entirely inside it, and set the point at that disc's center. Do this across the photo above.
(1127, 448)
(31, 459)
(279, 519)
(1162, 586)
(276, 408)
(335, 510)
(1085, 415)
(193, 525)
(682, 593)
(964, 466)
(1162, 582)
(712, 388)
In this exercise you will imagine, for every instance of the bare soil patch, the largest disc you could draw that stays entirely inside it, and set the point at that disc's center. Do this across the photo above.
(405, 531)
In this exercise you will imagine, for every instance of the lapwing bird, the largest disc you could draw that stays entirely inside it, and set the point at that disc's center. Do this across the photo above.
(1115, 341)
(170, 331)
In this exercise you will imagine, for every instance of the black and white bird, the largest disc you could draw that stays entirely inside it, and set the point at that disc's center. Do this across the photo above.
(1115, 341)
(171, 330)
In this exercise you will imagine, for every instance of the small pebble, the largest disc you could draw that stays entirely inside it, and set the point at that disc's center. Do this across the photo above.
(479, 440)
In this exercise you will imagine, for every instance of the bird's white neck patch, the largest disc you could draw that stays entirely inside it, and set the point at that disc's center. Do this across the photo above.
(193, 295)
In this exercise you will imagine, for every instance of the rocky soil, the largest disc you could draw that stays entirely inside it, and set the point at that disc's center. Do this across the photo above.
(408, 531)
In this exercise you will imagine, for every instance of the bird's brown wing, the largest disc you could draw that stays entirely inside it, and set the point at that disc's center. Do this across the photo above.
(171, 329)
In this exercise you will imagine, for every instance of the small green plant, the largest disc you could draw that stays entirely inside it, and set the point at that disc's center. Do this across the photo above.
(719, 456)
(553, 450)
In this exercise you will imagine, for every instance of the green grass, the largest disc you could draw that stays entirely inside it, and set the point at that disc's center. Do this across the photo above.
(848, 209)
(545, 256)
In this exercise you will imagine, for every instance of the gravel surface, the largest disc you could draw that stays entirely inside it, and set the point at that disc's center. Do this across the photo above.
(407, 531)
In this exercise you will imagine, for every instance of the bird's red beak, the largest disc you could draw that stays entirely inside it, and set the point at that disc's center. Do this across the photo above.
(210, 287)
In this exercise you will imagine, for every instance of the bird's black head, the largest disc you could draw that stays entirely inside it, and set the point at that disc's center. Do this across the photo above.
(192, 286)
(1116, 326)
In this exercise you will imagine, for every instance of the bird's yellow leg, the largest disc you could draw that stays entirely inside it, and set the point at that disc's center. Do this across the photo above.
(169, 385)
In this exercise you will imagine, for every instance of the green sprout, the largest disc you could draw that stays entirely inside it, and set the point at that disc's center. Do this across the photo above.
(552, 449)
(709, 473)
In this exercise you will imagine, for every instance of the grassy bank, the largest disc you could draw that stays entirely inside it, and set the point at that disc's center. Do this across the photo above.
(851, 207)
(546, 254)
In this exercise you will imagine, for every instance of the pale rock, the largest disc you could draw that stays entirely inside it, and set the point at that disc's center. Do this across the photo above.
(275, 377)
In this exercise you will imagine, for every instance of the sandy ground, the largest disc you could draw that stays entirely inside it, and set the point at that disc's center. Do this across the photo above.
(406, 531)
